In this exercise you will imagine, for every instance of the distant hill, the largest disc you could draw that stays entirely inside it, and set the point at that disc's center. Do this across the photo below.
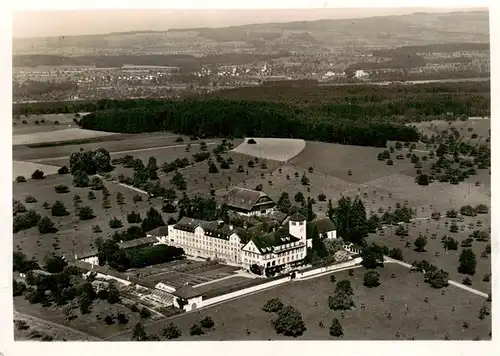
(383, 31)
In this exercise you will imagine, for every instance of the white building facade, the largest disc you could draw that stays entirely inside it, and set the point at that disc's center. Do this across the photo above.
(204, 239)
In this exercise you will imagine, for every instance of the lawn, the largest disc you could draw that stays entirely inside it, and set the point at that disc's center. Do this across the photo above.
(447, 260)
(244, 319)
(74, 235)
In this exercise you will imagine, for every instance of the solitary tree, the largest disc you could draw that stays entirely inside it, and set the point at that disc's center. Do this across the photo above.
(120, 200)
(171, 332)
(336, 329)
(289, 322)
(420, 243)
(467, 262)
(139, 333)
(371, 279)
(45, 225)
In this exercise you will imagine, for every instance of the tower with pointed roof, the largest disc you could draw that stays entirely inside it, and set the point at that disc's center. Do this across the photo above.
(297, 226)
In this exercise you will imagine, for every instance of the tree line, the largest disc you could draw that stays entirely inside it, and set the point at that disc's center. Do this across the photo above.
(224, 118)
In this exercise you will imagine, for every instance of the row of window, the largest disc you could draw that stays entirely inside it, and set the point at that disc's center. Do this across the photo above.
(278, 261)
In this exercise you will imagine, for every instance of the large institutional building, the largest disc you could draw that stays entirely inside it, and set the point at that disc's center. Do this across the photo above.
(282, 248)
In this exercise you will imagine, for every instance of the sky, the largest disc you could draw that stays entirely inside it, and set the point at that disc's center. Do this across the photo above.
(81, 22)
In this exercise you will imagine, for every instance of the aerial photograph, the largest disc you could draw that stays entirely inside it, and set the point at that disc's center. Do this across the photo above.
(240, 175)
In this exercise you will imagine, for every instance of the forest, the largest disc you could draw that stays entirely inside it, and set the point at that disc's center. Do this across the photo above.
(224, 118)
(367, 115)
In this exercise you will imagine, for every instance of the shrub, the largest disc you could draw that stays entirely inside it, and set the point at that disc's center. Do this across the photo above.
(59, 209)
(45, 225)
(196, 330)
(468, 210)
(482, 209)
(63, 170)
(122, 318)
(38, 174)
(273, 305)
(322, 197)
(371, 279)
(340, 301)
(61, 189)
(30, 199)
(20, 179)
(423, 179)
(134, 218)
(467, 281)
(207, 322)
(171, 332)
(390, 162)
(114, 223)
(25, 221)
(251, 141)
(96, 183)
(86, 213)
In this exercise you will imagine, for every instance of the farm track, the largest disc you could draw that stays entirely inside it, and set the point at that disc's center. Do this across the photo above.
(124, 151)
(453, 283)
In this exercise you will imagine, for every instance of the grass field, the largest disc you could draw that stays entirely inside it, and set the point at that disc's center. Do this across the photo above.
(26, 169)
(467, 128)
(200, 181)
(277, 149)
(74, 235)
(68, 134)
(36, 326)
(336, 160)
(133, 142)
(447, 260)
(86, 323)
(243, 318)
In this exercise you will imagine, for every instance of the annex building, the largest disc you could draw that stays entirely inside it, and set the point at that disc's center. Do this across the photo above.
(249, 202)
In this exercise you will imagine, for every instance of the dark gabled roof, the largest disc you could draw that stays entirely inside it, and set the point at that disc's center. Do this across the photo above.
(278, 216)
(159, 231)
(322, 225)
(137, 242)
(276, 238)
(188, 224)
(186, 291)
(86, 254)
(243, 198)
(297, 217)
